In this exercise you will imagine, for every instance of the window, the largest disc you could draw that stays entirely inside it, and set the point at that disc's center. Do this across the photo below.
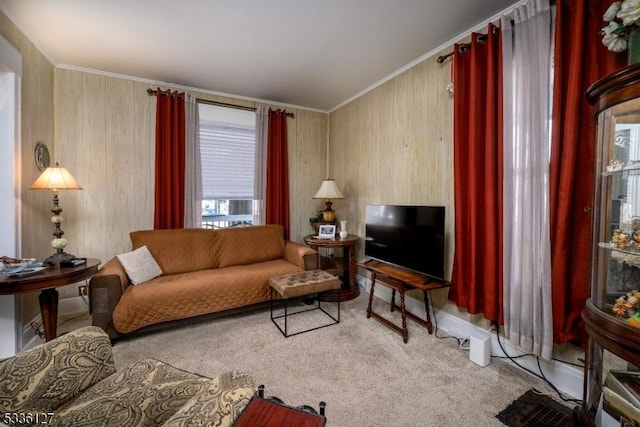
(227, 152)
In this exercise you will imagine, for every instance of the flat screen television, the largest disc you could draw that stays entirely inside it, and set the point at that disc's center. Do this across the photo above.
(410, 237)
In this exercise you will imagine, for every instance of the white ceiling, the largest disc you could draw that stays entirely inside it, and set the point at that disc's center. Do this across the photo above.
(313, 54)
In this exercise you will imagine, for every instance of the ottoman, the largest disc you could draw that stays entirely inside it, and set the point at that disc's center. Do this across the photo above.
(297, 285)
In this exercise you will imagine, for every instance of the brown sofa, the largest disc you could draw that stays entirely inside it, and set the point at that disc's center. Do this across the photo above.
(203, 272)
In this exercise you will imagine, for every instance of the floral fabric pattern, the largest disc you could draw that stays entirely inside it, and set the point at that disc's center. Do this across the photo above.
(219, 405)
(74, 378)
(146, 394)
(43, 378)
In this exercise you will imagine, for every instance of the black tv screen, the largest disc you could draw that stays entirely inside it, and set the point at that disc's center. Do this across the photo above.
(411, 237)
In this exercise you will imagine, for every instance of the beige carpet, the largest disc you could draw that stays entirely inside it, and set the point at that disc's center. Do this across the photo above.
(361, 368)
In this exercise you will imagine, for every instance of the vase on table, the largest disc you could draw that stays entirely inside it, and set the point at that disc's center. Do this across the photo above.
(343, 229)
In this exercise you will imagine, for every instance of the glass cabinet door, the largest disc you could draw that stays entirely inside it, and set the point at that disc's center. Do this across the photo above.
(612, 313)
(615, 288)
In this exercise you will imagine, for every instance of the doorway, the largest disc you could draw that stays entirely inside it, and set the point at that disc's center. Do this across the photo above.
(10, 79)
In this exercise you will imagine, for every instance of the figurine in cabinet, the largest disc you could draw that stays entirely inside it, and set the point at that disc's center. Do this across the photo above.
(627, 305)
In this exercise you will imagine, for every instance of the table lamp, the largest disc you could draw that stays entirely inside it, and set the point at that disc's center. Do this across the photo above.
(328, 190)
(56, 179)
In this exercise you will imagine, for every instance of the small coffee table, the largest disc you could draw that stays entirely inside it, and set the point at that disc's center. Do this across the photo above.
(296, 285)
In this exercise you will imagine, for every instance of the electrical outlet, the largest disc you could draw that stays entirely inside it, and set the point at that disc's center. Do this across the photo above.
(83, 290)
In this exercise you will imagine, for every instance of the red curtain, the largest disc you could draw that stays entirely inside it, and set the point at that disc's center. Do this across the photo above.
(477, 265)
(277, 186)
(170, 160)
(580, 60)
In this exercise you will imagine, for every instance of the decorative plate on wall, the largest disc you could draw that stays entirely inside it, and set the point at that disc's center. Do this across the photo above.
(42, 156)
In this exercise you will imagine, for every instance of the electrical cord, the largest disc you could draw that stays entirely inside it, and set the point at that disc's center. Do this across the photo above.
(540, 375)
(533, 355)
(37, 329)
(82, 295)
(461, 341)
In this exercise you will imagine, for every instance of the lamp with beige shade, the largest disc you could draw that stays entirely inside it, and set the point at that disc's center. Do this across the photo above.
(328, 189)
(56, 179)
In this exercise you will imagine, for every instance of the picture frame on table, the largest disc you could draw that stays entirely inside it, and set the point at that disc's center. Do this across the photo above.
(327, 231)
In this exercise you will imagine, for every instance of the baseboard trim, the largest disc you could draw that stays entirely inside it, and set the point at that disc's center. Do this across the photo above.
(566, 378)
(66, 307)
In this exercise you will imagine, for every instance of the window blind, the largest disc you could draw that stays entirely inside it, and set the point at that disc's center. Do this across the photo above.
(227, 153)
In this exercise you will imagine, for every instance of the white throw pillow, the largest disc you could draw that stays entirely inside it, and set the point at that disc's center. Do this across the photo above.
(140, 265)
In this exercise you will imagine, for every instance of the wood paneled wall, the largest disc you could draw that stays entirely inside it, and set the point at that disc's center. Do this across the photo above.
(394, 145)
(307, 160)
(105, 136)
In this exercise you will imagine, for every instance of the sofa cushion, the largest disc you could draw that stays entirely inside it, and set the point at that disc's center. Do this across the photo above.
(43, 378)
(146, 393)
(185, 295)
(140, 265)
(180, 250)
(219, 404)
(248, 245)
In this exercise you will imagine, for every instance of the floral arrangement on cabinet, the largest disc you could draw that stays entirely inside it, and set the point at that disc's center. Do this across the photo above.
(621, 17)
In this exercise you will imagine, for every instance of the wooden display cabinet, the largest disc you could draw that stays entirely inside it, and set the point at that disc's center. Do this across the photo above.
(613, 339)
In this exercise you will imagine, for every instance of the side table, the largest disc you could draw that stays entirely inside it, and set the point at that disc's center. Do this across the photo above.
(272, 412)
(46, 281)
(346, 264)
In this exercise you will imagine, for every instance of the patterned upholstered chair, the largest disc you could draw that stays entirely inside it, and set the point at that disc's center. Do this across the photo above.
(72, 381)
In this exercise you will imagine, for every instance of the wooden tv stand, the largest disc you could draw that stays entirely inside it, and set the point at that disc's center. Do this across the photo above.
(401, 280)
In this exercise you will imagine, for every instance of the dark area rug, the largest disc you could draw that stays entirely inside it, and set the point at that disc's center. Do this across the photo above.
(534, 410)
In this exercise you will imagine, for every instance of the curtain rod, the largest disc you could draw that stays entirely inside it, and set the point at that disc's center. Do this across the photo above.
(153, 92)
(464, 46)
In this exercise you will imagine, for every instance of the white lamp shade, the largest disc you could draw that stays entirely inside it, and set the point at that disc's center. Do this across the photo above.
(55, 178)
(328, 190)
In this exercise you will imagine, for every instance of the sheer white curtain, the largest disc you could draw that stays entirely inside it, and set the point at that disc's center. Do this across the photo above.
(260, 177)
(193, 174)
(527, 49)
